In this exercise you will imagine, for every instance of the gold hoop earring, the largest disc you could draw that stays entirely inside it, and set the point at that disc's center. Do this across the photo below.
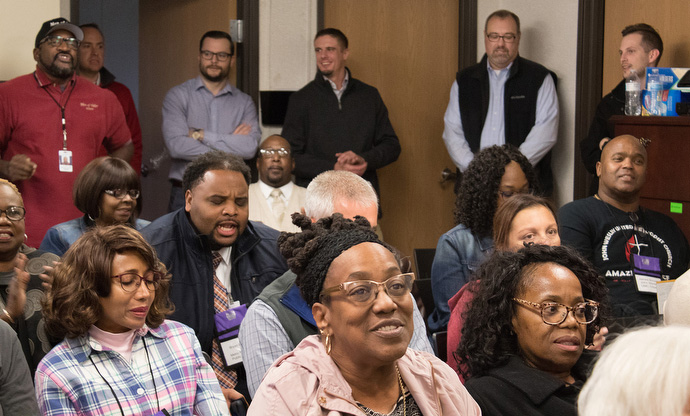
(329, 343)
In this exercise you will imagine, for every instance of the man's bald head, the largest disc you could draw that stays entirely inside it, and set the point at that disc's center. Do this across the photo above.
(622, 169)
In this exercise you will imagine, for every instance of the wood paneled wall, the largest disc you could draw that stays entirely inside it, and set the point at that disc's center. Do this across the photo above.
(668, 17)
(408, 50)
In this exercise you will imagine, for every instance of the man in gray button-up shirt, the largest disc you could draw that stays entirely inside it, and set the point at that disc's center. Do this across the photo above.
(207, 113)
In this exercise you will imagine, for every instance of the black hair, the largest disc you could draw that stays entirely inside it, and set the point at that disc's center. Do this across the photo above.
(218, 34)
(475, 204)
(213, 160)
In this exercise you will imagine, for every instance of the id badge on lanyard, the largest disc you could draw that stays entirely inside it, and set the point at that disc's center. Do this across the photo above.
(647, 271)
(227, 330)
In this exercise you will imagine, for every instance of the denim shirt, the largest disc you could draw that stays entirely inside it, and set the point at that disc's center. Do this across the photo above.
(60, 237)
(458, 255)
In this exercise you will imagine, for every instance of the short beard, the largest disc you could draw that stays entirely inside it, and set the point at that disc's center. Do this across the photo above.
(60, 73)
(219, 78)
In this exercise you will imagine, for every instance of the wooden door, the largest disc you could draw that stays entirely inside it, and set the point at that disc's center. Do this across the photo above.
(169, 33)
(408, 49)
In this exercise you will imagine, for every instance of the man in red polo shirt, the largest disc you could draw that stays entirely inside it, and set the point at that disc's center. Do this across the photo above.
(52, 123)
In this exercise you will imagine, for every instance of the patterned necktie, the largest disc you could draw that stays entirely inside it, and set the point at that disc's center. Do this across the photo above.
(226, 378)
(277, 205)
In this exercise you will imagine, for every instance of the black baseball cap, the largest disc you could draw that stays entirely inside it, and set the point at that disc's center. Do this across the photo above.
(57, 24)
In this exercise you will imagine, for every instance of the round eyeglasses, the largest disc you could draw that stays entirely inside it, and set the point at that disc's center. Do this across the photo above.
(121, 193)
(553, 313)
(365, 291)
(56, 41)
(14, 213)
(130, 282)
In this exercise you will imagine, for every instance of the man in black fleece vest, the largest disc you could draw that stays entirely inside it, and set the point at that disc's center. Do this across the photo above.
(503, 99)
(337, 122)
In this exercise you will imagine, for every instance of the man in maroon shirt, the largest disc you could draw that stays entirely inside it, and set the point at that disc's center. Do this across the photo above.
(91, 58)
(52, 123)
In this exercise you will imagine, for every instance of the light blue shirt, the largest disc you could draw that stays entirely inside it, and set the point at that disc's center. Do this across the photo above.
(538, 142)
(191, 105)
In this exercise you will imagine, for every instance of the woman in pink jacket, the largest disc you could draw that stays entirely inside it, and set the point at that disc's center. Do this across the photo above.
(360, 363)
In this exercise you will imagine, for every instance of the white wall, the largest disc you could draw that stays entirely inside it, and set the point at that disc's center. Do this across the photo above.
(549, 37)
(285, 64)
(20, 22)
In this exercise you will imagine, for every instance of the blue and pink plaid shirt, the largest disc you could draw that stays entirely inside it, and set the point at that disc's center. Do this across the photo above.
(67, 383)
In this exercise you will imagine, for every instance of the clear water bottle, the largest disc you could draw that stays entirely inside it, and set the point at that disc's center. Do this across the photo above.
(633, 106)
(654, 88)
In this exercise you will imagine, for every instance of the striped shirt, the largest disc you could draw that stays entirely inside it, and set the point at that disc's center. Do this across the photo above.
(76, 377)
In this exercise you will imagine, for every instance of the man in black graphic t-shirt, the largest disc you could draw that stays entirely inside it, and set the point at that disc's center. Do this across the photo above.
(631, 246)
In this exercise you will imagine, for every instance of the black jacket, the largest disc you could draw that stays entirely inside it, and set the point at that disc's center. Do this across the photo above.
(255, 259)
(612, 104)
(520, 390)
(318, 127)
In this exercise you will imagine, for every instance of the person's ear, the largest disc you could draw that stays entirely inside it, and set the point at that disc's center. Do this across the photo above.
(598, 169)
(653, 55)
(321, 315)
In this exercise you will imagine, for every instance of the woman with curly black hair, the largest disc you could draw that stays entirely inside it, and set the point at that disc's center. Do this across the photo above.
(361, 303)
(494, 175)
(525, 331)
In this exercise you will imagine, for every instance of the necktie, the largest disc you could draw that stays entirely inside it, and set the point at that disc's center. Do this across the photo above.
(226, 378)
(277, 204)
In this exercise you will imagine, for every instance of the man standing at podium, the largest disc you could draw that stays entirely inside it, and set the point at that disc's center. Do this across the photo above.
(641, 47)
(631, 246)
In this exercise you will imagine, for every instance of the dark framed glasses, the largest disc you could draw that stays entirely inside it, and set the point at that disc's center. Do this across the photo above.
(365, 291)
(130, 282)
(121, 193)
(56, 41)
(14, 213)
(507, 38)
(222, 56)
(553, 313)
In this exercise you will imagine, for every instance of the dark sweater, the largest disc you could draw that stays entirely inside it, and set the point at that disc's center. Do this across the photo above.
(318, 127)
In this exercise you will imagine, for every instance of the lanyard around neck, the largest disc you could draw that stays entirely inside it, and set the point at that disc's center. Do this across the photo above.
(61, 107)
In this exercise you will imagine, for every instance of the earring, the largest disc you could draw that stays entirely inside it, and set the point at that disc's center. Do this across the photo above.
(329, 344)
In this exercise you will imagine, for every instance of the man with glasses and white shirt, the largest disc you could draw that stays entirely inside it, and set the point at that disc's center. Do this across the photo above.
(52, 124)
(503, 99)
(207, 113)
(274, 197)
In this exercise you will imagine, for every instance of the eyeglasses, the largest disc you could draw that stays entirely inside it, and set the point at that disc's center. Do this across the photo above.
(56, 41)
(130, 282)
(270, 153)
(222, 56)
(361, 291)
(553, 313)
(507, 38)
(121, 193)
(14, 213)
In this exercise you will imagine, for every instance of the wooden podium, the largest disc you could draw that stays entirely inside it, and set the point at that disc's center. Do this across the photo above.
(667, 189)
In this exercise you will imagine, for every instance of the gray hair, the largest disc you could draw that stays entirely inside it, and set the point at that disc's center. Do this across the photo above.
(328, 186)
(644, 372)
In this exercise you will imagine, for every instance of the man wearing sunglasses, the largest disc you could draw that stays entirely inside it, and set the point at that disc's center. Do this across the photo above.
(503, 99)
(207, 113)
(52, 123)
